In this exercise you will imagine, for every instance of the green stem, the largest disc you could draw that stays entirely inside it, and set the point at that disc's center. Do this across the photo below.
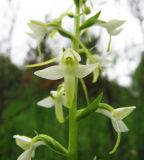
(73, 125)
(39, 52)
(73, 128)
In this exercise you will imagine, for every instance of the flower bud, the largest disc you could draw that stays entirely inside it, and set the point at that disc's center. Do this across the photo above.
(87, 10)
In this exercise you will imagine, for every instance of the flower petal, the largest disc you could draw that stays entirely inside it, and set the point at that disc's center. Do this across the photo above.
(84, 70)
(47, 102)
(52, 73)
(119, 126)
(26, 155)
(121, 113)
(104, 112)
(76, 55)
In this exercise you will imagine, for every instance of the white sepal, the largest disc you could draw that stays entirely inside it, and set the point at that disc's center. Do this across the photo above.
(46, 102)
(121, 113)
(84, 70)
(38, 31)
(23, 141)
(52, 73)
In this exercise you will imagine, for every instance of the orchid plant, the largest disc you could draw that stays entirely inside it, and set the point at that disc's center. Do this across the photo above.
(68, 67)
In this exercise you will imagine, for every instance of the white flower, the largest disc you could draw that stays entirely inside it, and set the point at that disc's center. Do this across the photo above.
(56, 99)
(113, 26)
(28, 146)
(117, 116)
(38, 30)
(69, 69)
(101, 62)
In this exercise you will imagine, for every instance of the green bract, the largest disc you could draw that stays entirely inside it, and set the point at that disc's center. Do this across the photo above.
(117, 116)
(69, 69)
(91, 21)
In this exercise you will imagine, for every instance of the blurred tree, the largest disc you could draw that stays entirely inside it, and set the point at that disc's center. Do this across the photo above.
(10, 11)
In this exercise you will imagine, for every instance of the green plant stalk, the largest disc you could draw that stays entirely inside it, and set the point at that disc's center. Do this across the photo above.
(73, 128)
(73, 124)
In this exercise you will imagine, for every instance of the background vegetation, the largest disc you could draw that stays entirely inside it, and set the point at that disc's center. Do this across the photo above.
(20, 91)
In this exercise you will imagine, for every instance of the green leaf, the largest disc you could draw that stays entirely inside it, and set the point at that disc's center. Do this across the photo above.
(64, 33)
(89, 109)
(91, 21)
(53, 144)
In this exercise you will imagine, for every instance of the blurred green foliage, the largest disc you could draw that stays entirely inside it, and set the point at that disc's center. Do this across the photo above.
(20, 91)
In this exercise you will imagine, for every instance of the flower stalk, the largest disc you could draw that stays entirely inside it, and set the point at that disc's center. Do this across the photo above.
(73, 124)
